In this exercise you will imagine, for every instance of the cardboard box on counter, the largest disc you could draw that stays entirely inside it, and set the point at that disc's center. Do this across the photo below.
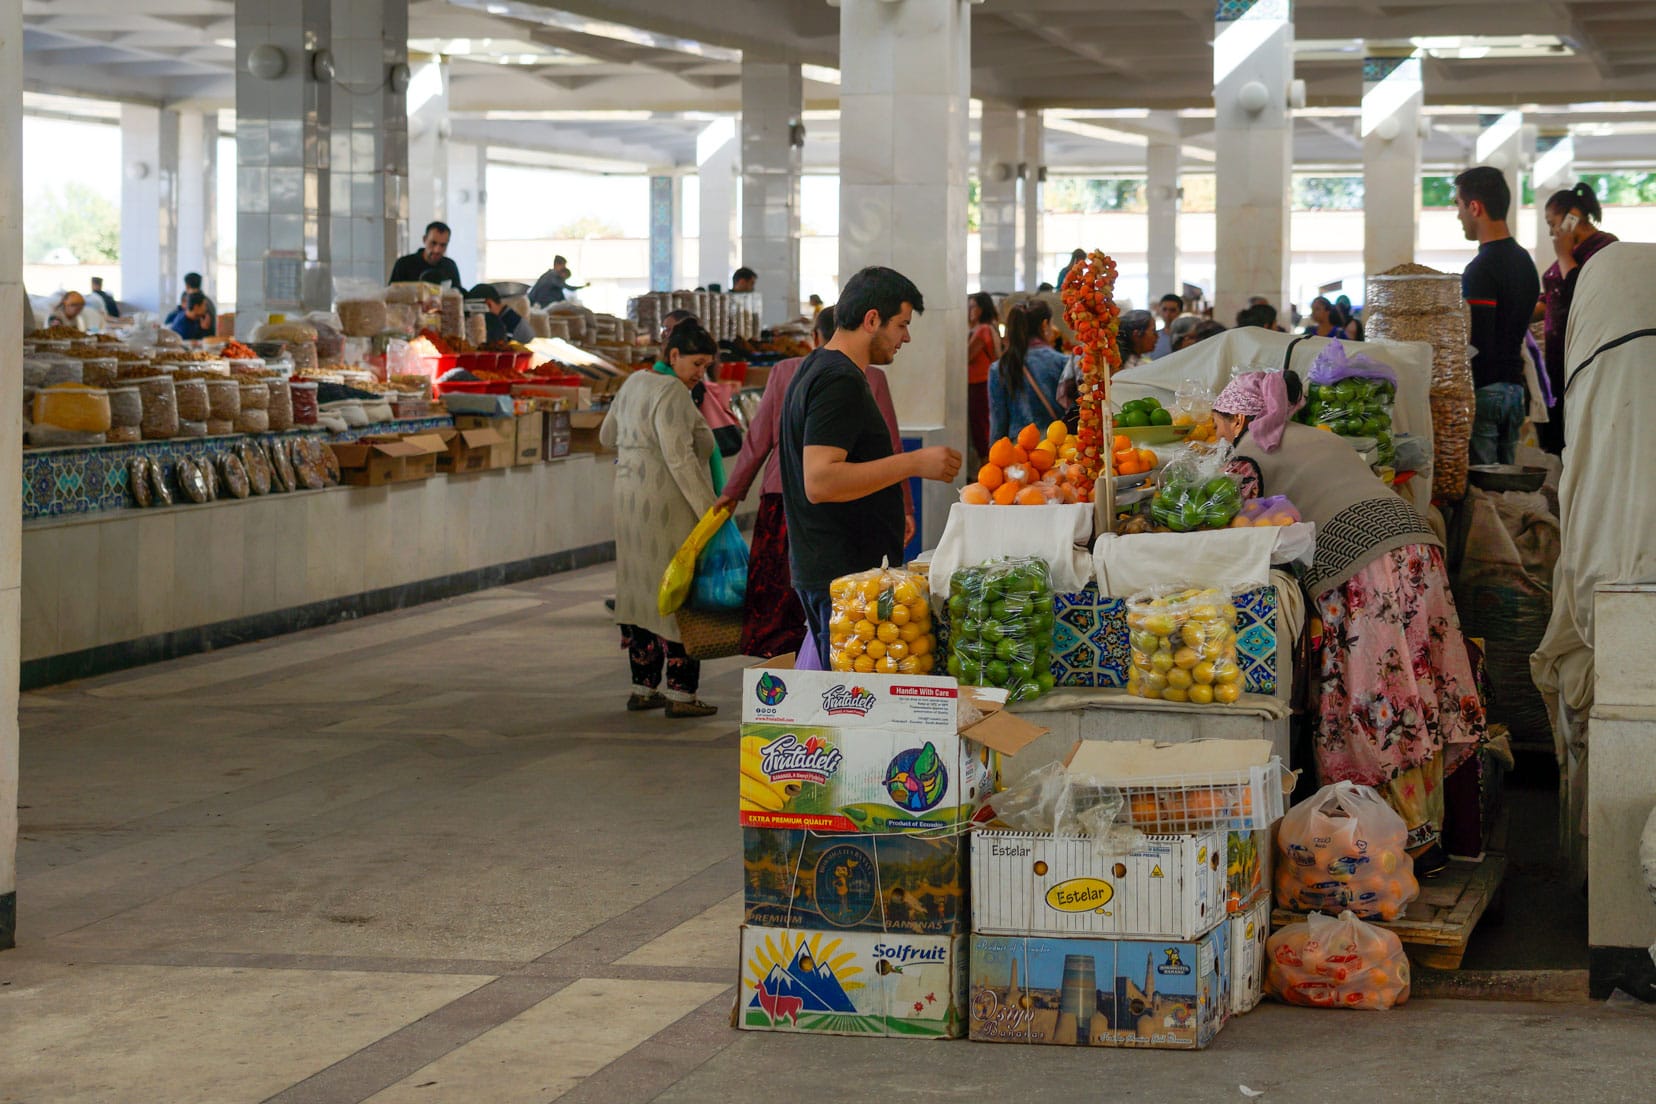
(901, 883)
(555, 443)
(866, 753)
(851, 983)
(468, 451)
(502, 452)
(1161, 994)
(375, 461)
(527, 443)
(583, 431)
(1249, 931)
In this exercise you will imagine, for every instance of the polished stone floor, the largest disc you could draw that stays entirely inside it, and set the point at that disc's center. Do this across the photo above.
(427, 857)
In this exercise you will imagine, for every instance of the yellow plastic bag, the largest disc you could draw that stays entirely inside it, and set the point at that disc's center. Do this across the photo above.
(681, 569)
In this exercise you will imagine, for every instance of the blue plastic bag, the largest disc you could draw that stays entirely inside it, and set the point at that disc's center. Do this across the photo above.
(721, 571)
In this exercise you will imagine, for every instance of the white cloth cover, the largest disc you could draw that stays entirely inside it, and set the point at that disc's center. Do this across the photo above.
(1237, 559)
(1056, 534)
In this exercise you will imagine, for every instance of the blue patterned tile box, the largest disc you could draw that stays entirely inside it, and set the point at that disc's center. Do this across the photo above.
(1090, 647)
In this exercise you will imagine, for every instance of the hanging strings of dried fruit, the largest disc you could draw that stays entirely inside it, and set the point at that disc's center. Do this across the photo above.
(1091, 311)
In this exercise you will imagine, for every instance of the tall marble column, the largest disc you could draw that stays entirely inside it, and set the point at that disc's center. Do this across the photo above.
(1501, 145)
(905, 83)
(368, 142)
(1392, 97)
(773, 105)
(1162, 195)
(149, 207)
(665, 196)
(1553, 171)
(428, 148)
(198, 133)
(999, 154)
(1253, 64)
(1031, 204)
(282, 152)
(467, 206)
(11, 449)
(717, 168)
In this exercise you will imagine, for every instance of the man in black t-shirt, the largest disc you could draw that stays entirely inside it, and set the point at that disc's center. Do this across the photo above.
(430, 262)
(1500, 287)
(841, 484)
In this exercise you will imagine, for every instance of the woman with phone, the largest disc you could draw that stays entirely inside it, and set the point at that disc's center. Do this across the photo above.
(1572, 216)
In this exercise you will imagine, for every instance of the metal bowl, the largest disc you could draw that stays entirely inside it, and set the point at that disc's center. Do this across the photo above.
(1506, 477)
(510, 289)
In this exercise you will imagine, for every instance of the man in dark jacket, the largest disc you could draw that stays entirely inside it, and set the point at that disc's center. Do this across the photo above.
(430, 262)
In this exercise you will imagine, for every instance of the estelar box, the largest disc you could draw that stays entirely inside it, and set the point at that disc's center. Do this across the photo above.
(890, 883)
(851, 983)
(1164, 994)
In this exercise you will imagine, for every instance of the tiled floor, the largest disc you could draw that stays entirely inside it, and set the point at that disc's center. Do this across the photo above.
(427, 857)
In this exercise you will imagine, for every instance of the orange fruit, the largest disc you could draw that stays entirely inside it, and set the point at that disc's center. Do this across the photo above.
(1019, 456)
(1122, 442)
(1006, 494)
(1041, 459)
(1031, 496)
(1000, 453)
(1147, 458)
(991, 476)
(1028, 437)
(975, 494)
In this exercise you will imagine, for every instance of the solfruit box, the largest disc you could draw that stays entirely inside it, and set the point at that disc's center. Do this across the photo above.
(838, 752)
(893, 883)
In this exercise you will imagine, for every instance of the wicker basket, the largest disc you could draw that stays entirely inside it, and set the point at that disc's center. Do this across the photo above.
(710, 634)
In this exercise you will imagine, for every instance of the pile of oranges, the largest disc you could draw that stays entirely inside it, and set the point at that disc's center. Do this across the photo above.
(1035, 470)
(1127, 460)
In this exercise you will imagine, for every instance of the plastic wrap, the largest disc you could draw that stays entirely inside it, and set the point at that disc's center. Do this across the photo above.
(292, 332)
(99, 371)
(330, 340)
(303, 395)
(254, 396)
(1353, 396)
(126, 408)
(138, 480)
(123, 435)
(350, 411)
(1000, 627)
(1329, 962)
(282, 475)
(192, 398)
(73, 407)
(1415, 303)
(48, 436)
(220, 427)
(190, 480)
(160, 396)
(452, 311)
(279, 403)
(234, 475)
(257, 464)
(1345, 848)
(223, 400)
(1275, 510)
(1193, 492)
(187, 428)
(253, 421)
(403, 318)
(881, 622)
(477, 329)
(304, 356)
(1183, 646)
(62, 369)
(362, 317)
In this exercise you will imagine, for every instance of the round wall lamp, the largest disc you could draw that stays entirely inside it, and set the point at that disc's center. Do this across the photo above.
(399, 77)
(1001, 171)
(1388, 129)
(1252, 97)
(1296, 95)
(322, 66)
(138, 170)
(266, 62)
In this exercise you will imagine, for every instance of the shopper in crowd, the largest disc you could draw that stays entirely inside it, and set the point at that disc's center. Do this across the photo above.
(111, 309)
(1572, 220)
(773, 621)
(430, 263)
(1076, 257)
(744, 280)
(192, 324)
(840, 475)
(1262, 315)
(816, 305)
(1346, 316)
(1181, 326)
(69, 311)
(1023, 383)
(1136, 338)
(1169, 309)
(1501, 288)
(1043, 287)
(192, 286)
(983, 346)
(1395, 702)
(663, 486)
(1324, 321)
(501, 323)
(1201, 331)
(553, 285)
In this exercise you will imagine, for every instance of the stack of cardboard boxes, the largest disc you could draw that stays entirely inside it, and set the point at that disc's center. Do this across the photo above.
(1154, 946)
(856, 792)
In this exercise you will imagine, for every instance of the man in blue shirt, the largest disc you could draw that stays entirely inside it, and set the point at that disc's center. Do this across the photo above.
(191, 323)
(1170, 307)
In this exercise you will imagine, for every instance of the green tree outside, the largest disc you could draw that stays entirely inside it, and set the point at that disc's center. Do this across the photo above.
(77, 219)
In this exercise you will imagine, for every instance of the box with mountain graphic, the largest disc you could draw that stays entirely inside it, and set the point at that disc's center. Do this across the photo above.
(891, 883)
(852, 983)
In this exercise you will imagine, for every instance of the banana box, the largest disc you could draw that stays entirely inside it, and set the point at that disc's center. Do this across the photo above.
(1249, 930)
(888, 883)
(834, 752)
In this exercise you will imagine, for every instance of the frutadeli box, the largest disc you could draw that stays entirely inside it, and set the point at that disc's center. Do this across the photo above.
(1164, 994)
(851, 983)
(838, 752)
(892, 883)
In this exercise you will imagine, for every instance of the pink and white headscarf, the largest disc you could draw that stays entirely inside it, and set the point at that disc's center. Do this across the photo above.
(1262, 396)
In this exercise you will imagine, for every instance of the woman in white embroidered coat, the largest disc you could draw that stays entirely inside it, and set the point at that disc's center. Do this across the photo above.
(662, 488)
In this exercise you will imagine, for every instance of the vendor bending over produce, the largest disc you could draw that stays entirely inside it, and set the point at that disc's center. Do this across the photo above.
(1394, 700)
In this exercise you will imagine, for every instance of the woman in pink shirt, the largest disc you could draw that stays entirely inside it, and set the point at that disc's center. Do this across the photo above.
(773, 621)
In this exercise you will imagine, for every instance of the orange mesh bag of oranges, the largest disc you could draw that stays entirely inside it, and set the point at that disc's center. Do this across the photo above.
(1184, 645)
(1345, 848)
(1329, 962)
(881, 624)
(1258, 512)
(1034, 469)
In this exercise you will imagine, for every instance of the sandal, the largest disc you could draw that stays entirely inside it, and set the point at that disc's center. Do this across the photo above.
(640, 703)
(690, 709)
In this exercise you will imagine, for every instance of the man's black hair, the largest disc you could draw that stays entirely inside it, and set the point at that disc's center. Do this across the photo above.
(1172, 298)
(1487, 186)
(824, 324)
(876, 289)
(689, 339)
(194, 299)
(192, 280)
(430, 226)
(743, 273)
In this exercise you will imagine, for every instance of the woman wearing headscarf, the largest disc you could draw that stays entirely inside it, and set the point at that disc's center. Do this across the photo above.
(1572, 215)
(1394, 701)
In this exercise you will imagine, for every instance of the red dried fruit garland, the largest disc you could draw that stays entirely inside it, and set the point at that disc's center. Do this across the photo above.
(1091, 311)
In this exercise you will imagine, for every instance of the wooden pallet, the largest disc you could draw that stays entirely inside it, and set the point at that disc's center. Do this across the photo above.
(1440, 921)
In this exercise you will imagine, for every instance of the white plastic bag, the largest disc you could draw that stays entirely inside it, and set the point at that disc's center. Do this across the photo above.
(1345, 848)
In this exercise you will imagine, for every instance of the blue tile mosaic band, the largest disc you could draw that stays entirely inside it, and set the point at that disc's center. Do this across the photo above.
(661, 233)
(1229, 11)
(1377, 69)
(85, 479)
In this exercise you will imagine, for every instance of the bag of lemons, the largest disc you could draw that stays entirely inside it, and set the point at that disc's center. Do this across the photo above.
(881, 623)
(681, 569)
(1184, 645)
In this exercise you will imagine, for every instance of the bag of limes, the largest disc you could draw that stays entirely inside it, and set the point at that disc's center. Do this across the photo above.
(1184, 645)
(1353, 396)
(1000, 626)
(1194, 492)
(881, 623)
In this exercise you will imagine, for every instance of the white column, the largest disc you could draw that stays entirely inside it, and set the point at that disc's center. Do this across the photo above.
(1501, 145)
(11, 446)
(1554, 170)
(1253, 64)
(1031, 205)
(905, 82)
(368, 165)
(1392, 96)
(999, 154)
(428, 149)
(198, 196)
(717, 168)
(1163, 197)
(773, 105)
(467, 199)
(149, 207)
